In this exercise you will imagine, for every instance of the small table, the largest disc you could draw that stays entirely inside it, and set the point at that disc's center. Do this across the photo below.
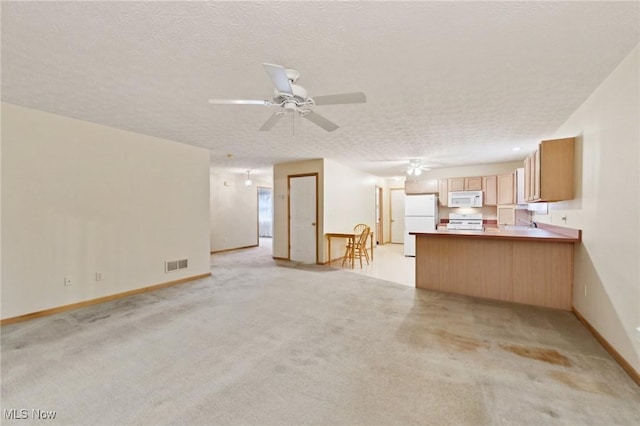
(351, 236)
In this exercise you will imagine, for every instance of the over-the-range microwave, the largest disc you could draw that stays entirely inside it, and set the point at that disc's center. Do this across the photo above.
(465, 199)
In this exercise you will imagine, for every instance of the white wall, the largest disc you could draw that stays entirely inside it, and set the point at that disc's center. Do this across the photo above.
(234, 210)
(607, 207)
(80, 198)
(349, 199)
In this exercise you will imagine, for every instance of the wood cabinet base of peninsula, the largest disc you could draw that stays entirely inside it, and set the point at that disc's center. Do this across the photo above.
(536, 273)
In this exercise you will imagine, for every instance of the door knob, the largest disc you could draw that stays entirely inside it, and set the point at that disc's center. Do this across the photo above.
(313, 224)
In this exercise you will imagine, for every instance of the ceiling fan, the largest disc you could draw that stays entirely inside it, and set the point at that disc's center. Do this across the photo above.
(412, 167)
(416, 167)
(289, 97)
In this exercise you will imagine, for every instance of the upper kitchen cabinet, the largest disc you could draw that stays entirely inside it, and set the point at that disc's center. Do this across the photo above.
(473, 183)
(465, 184)
(455, 184)
(549, 171)
(427, 186)
(490, 189)
(507, 189)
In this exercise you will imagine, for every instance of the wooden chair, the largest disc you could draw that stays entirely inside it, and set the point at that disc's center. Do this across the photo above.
(358, 230)
(357, 248)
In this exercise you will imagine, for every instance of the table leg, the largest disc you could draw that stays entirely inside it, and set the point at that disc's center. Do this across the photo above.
(353, 252)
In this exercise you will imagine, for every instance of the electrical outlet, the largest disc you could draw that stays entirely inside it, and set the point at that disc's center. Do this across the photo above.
(67, 281)
(99, 276)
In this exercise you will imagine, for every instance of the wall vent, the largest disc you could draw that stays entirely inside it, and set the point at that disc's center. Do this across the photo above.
(175, 265)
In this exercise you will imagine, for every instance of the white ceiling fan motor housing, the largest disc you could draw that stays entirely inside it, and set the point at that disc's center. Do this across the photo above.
(299, 96)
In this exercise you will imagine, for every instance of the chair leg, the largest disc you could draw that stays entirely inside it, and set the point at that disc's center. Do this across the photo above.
(347, 255)
(366, 255)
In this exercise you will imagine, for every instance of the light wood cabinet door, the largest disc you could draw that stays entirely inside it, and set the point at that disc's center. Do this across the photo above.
(550, 170)
(506, 189)
(427, 186)
(519, 185)
(443, 194)
(455, 184)
(527, 179)
(532, 170)
(506, 215)
(473, 183)
(535, 195)
(556, 170)
(490, 189)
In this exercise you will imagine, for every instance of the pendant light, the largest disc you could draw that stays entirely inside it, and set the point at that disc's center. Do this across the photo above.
(247, 182)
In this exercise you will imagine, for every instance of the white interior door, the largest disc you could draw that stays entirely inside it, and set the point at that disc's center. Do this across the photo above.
(302, 223)
(397, 216)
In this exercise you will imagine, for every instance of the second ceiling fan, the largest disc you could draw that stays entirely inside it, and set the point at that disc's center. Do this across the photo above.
(288, 96)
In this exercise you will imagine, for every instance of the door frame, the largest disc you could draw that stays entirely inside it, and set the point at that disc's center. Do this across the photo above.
(289, 177)
(380, 214)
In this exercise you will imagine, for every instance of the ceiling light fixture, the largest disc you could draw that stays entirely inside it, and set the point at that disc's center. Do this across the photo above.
(247, 182)
(415, 168)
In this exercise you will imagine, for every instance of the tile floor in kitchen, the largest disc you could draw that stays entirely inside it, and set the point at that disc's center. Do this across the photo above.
(389, 263)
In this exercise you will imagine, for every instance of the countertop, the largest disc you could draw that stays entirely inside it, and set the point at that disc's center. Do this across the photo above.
(501, 232)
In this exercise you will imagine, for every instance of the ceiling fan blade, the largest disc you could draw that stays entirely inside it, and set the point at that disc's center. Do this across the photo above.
(239, 102)
(321, 121)
(279, 77)
(271, 121)
(342, 98)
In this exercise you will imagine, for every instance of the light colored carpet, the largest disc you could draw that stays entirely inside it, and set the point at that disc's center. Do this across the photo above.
(274, 343)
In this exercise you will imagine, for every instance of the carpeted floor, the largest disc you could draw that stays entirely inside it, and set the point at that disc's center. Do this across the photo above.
(275, 343)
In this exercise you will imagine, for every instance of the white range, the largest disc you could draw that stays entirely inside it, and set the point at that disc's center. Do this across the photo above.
(472, 222)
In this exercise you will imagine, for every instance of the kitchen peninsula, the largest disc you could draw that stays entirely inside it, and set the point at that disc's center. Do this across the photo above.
(524, 265)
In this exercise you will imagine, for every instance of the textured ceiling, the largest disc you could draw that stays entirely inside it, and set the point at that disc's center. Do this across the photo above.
(454, 83)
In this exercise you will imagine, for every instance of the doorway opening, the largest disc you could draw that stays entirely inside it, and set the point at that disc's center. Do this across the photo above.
(379, 217)
(265, 216)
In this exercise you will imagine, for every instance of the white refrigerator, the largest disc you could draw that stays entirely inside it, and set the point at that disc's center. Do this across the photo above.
(420, 215)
